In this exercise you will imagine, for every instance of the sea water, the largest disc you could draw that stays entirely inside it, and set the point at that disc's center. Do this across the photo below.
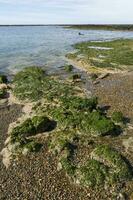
(22, 46)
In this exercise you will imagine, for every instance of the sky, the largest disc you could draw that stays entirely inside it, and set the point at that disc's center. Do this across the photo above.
(66, 11)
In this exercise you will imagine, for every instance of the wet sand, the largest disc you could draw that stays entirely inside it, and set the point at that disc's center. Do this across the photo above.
(116, 91)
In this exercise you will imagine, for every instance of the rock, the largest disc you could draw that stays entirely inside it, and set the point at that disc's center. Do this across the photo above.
(25, 151)
(102, 76)
(121, 197)
(3, 86)
(6, 154)
(59, 166)
(93, 76)
(3, 102)
(96, 82)
(128, 144)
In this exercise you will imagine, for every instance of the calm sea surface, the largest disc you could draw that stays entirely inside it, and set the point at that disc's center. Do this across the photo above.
(43, 45)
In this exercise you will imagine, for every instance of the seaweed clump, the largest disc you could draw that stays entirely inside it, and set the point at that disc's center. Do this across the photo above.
(82, 114)
(105, 167)
(105, 54)
(3, 79)
(117, 117)
(119, 169)
(28, 84)
(92, 174)
(33, 84)
(20, 134)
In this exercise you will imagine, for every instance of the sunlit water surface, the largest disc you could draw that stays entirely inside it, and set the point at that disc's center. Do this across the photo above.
(44, 45)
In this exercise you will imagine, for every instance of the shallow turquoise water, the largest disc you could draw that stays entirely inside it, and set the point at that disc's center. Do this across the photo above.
(43, 45)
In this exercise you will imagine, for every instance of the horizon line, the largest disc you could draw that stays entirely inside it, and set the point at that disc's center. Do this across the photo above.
(109, 24)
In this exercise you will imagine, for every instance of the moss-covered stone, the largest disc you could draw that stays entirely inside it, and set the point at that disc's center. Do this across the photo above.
(30, 127)
(105, 166)
(32, 84)
(119, 170)
(78, 103)
(96, 124)
(92, 174)
(60, 140)
(41, 123)
(28, 84)
(31, 146)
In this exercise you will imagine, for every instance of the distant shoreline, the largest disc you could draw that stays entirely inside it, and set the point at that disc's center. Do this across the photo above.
(116, 27)
(121, 27)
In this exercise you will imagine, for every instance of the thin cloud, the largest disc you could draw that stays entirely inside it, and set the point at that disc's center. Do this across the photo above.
(66, 11)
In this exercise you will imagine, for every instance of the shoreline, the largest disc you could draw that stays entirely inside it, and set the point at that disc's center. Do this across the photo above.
(108, 27)
(81, 65)
(40, 175)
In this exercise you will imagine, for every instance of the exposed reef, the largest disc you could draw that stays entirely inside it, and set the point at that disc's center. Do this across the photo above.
(73, 127)
(110, 55)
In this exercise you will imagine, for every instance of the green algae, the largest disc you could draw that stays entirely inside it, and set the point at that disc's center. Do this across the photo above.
(92, 174)
(119, 168)
(106, 54)
(105, 167)
(117, 117)
(30, 127)
(3, 79)
(76, 117)
(68, 68)
(33, 84)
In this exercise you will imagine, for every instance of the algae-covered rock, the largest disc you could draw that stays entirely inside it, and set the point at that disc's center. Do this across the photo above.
(29, 127)
(33, 84)
(60, 140)
(117, 117)
(104, 167)
(97, 124)
(93, 76)
(92, 174)
(82, 114)
(41, 123)
(31, 146)
(119, 170)
(68, 68)
(3, 79)
(102, 126)
(67, 166)
(28, 84)
(19, 133)
(78, 103)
